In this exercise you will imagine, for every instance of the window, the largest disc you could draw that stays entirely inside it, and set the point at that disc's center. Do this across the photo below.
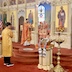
(41, 13)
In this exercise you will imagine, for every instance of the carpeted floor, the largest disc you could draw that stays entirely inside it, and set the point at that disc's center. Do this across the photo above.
(19, 67)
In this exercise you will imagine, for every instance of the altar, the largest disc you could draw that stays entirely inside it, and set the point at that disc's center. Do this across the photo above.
(45, 62)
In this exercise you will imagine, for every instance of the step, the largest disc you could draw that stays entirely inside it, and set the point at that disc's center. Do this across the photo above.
(26, 55)
(15, 50)
(28, 58)
(31, 53)
(25, 52)
(63, 55)
(31, 57)
(19, 46)
(65, 52)
(26, 61)
(21, 51)
(34, 50)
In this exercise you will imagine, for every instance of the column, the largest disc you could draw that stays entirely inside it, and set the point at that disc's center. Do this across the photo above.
(16, 2)
(36, 24)
(25, 11)
(16, 29)
(69, 19)
(8, 15)
(52, 19)
(69, 25)
(16, 24)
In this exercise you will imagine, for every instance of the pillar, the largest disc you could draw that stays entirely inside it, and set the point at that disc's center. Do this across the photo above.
(53, 19)
(36, 23)
(69, 25)
(16, 27)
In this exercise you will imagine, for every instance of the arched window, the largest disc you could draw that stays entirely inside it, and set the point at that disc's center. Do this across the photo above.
(41, 13)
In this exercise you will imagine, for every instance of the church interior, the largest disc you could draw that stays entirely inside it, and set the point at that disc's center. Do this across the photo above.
(53, 17)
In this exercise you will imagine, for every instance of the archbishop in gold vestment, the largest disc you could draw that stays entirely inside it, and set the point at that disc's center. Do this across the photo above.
(7, 35)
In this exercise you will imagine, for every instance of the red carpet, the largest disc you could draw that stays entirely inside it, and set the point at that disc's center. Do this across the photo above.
(21, 67)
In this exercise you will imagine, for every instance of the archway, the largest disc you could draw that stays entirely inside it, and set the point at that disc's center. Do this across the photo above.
(21, 22)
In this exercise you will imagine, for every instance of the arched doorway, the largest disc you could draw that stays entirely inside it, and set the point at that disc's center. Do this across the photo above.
(21, 22)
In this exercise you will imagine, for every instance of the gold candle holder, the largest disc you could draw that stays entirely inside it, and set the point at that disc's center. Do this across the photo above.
(58, 67)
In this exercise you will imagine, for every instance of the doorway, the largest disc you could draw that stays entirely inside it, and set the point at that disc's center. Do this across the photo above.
(21, 22)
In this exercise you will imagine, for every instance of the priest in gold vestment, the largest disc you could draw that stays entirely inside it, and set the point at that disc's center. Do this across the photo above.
(26, 33)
